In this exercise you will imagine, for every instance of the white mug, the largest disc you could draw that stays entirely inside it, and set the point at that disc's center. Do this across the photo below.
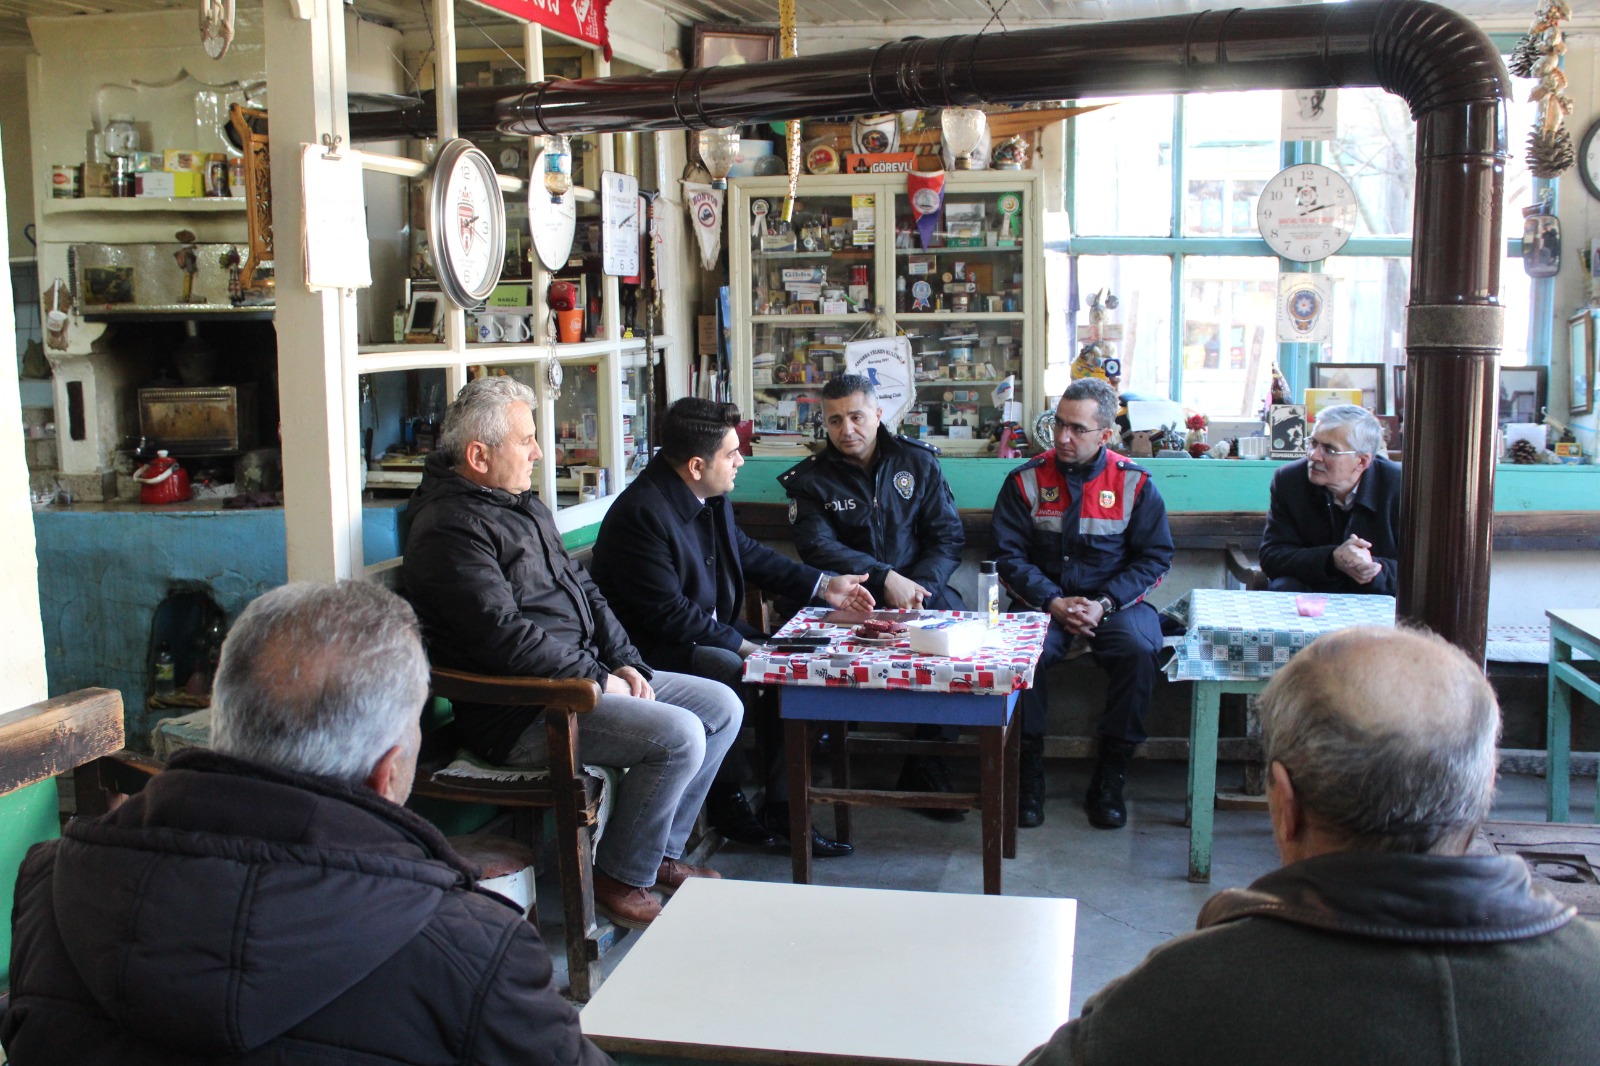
(55, 321)
(487, 329)
(514, 328)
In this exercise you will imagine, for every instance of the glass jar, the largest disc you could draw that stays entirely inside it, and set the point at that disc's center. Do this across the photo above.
(120, 136)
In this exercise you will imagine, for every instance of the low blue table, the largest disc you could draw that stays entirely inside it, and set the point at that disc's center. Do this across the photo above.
(1570, 628)
(853, 681)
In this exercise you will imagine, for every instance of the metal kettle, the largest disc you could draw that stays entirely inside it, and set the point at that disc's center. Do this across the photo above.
(162, 480)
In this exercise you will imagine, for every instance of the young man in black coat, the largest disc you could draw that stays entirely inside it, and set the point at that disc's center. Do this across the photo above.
(268, 900)
(673, 565)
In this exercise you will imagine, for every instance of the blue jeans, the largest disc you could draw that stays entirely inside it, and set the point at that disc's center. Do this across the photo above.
(671, 747)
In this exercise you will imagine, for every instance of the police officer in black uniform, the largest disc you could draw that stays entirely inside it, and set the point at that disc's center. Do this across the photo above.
(875, 503)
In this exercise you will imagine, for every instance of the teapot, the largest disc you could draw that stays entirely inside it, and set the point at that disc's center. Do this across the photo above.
(162, 480)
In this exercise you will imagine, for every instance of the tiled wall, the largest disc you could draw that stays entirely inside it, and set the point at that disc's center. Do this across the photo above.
(25, 305)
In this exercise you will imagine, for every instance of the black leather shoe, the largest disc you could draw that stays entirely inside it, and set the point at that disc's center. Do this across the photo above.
(923, 773)
(730, 814)
(775, 818)
(1104, 802)
(1030, 783)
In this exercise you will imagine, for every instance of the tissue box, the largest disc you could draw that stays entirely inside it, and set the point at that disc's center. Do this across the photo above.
(957, 638)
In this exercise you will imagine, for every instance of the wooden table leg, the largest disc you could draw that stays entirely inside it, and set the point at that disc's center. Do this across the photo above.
(991, 781)
(1202, 800)
(797, 741)
(839, 758)
(1008, 787)
(1558, 733)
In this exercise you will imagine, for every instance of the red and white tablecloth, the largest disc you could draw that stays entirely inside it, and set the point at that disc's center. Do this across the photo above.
(1005, 663)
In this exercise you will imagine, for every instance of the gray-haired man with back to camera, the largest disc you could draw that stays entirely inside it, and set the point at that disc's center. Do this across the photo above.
(268, 900)
(1379, 940)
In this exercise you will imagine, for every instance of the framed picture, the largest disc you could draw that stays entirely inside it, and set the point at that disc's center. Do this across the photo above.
(727, 44)
(1370, 378)
(1580, 351)
(1523, 392)
(1400, 390)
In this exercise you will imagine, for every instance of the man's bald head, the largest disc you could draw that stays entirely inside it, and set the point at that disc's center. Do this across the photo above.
(1388, 736)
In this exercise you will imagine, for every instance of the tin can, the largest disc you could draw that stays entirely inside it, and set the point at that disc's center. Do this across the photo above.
(236, 175)
(216, 178)
(64, 182)
(958, 304)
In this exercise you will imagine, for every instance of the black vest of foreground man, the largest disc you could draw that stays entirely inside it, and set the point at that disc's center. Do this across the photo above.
(1378, 941)
(265, 902)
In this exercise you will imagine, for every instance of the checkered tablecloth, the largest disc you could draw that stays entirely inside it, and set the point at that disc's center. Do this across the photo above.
(1005, 663)
(1247, 636)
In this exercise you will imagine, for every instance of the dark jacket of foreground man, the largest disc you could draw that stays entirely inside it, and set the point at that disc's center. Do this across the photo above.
(1358, 959)
(235, 913)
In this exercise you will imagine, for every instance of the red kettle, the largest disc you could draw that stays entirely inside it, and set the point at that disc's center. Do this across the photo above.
(162, 480)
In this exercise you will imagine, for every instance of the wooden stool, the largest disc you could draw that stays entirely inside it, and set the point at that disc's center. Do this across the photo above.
(507, 868)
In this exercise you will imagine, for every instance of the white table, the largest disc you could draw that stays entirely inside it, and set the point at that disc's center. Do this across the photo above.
(752, 971)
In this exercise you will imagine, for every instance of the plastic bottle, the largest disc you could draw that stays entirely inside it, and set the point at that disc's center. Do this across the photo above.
(165, 671)
(989, 591)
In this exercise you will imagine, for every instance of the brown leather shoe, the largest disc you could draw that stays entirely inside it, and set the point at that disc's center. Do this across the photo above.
(626, 905)
(674, 872)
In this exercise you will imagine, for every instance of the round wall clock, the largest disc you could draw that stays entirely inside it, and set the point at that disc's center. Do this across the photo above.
(466, 223)
(554, 221)
(1306, 212)
(1589, 160)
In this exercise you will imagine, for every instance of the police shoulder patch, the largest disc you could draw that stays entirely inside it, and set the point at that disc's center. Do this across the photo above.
(905, 484)
(794, 510)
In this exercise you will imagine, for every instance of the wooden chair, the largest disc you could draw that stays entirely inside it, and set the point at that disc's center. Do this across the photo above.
(567, 791)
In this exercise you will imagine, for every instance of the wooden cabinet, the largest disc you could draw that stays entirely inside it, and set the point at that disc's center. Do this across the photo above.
(851, 263)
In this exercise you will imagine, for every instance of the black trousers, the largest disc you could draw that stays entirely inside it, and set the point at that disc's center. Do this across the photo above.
(1125, 646)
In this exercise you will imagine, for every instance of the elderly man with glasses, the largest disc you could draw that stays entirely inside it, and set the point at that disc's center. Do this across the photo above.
(1334, 522)
(1081, 533)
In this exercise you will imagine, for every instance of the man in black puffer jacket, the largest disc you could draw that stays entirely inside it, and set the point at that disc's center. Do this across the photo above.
(269, 901)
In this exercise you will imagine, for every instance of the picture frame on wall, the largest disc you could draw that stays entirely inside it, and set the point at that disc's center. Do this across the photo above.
(1370, 378)
(720, 44)
(1581, 351)
(1524, 392)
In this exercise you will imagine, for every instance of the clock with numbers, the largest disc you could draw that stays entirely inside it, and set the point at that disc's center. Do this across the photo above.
(1306, 212)
(466, 223)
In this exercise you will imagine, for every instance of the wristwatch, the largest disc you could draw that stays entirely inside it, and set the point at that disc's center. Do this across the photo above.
(1107, 605)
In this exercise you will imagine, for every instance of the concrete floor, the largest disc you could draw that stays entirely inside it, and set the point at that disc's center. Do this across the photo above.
(1130, 884)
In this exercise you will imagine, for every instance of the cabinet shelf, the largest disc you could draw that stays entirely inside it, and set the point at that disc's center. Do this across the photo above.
(183, 205)
(940, 383)
(826, 253)
(978, 249)
(795, 320)
(963, 316)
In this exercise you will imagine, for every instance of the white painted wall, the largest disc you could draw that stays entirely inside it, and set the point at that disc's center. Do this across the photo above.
(15, 150)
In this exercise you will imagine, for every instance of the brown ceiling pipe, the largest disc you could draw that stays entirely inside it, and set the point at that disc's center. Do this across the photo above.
(1443, 65)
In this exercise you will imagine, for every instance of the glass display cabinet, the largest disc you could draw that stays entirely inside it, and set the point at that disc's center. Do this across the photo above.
(850, 263)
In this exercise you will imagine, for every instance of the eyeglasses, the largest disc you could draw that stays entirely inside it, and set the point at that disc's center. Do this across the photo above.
(1328, 450)
(1073, 428)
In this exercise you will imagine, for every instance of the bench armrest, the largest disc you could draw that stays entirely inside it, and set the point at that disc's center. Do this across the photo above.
(577, 694)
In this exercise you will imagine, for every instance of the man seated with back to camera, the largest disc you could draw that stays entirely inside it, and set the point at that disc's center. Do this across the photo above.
(1379, 940)
(673, 565)
(877, 502)
(1334, 521)
(497, 593)
(268, 900)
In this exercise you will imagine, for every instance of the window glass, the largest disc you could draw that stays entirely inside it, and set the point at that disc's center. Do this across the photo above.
(1142, 285)
(1230, 149)
(1376, 151)
(1123, 171)
(1516, 288)
(1229, 332)
(1369, 309)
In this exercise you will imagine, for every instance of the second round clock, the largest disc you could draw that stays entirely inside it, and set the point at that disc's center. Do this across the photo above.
(1306, 212)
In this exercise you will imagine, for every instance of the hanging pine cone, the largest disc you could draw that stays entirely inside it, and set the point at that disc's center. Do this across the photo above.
(1523, 453)
(1550, 154)
(1524, 56)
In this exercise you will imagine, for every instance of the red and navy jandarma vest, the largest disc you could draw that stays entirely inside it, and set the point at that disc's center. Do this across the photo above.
(1082, 556)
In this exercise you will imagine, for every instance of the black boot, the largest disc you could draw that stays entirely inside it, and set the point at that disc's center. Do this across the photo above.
(928, 773)
(1104, 800)
(775, 817)
(730, 814)
(1030, 783)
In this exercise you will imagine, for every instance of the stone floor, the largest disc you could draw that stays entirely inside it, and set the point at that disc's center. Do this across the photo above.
(1130, 884)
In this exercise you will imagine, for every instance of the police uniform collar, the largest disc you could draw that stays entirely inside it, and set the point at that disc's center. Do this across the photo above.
(1084, 470)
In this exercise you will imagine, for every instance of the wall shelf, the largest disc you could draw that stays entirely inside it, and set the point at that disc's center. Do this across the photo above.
(118, 205)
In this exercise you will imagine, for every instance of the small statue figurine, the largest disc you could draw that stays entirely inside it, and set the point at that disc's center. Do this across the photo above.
(188, 257)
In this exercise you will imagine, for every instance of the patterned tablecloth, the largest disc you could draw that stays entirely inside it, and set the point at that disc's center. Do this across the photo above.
(1005, 663)
(1247, 636)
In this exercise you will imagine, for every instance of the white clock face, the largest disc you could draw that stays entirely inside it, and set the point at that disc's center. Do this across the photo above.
(1589, 160)
(466, 224)
(1306, 212)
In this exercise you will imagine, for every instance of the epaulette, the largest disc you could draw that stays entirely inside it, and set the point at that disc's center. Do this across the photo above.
(785, 477)
(924, 445)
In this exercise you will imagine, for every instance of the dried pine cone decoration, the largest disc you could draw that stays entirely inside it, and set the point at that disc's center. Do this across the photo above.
(1550, 154)
(1523, 453)
(1524, 56)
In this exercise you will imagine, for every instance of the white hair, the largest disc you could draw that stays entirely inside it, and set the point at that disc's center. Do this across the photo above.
(1366, 432)
(479, 414)
(320, 679)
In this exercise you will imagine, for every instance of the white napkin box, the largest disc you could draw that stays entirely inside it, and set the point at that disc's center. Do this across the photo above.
(956, 638)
